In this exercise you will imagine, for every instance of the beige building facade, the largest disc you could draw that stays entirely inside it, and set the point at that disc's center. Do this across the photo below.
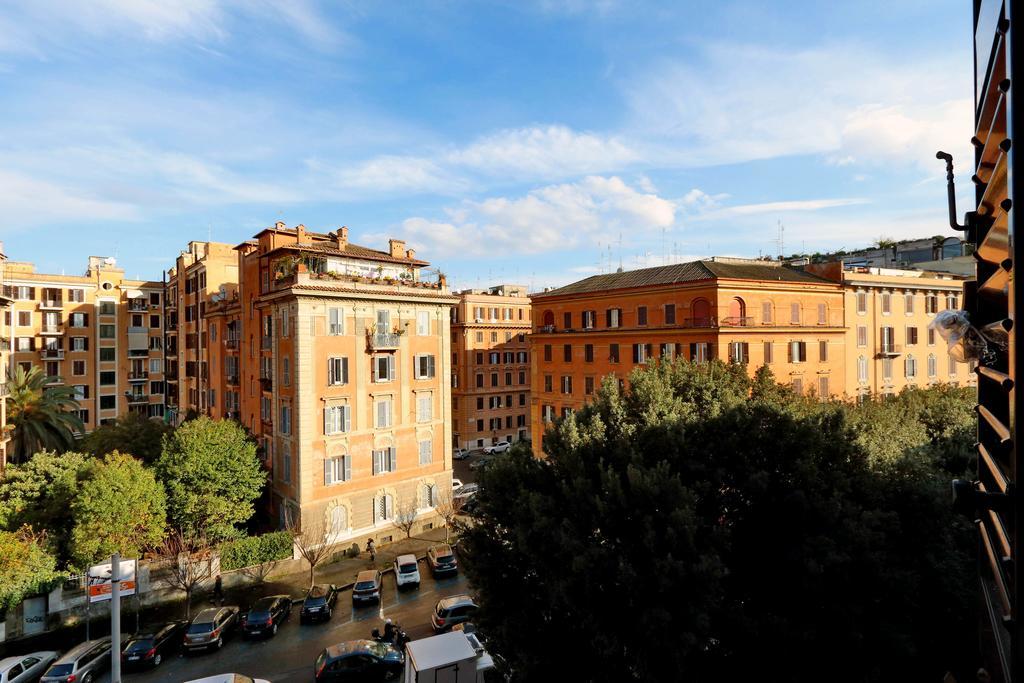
(5, 301)
(490, 375)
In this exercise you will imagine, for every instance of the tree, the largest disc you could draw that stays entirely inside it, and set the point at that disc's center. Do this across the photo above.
(120, 507)
(311, 535)
(41, 416)
(405, 515)
(742, 531)
(449, 507)
(212, 476)
(131, 433)
(188, 564)
(25, 566)
(38, 493)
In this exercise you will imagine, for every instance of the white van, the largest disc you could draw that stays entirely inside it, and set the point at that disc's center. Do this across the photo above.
(407, 572)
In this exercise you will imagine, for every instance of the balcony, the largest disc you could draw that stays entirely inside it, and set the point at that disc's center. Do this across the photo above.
(51, 304)
(383, 341)
(266, 426)
(50, 329)
(137, 306)
(51, 354)
(267, 343)
(231, 344)
(888, 350)
(171, 327)
(138, 376)
(700, 323)
(266, 379)
(135, 398)
(231, 380)
(736, 321)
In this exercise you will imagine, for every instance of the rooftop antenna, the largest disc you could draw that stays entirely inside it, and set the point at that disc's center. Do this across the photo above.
(780, 240)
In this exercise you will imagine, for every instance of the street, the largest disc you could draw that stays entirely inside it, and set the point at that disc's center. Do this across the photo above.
(289, 655)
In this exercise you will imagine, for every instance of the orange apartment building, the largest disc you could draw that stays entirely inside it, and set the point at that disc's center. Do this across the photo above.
(336, 357)
(5, 301)
(206, 272)
(99, 332)
(754, 312)
(490, 366)
(889, 344)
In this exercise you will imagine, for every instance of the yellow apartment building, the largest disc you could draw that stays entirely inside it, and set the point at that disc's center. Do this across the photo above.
(746, 311)
(5, 301)
(888, 342)
(490, 366)
(99, 333)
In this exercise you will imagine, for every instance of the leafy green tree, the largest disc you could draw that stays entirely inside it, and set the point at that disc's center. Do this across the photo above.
(120, 506)
(41, 416)
(706, 527)
(38, 493)
(25, 567)
(131, 433)
(212, 476)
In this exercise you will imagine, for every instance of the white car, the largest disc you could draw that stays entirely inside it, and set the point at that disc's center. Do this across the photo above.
(25, 668)
(456, 484)
(228, 678)
(466, 491)
(459, 454)
(407, 572)
(500, 447)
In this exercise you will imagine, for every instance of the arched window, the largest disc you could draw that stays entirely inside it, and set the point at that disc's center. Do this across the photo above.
(429, 496)
(383, 508)
(910, 367)
(737, 308)
(933, 365)
(862, 370)
(339, 519)
(549, 319)
(700, 312)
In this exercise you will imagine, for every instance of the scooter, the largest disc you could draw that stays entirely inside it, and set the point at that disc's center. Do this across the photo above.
(399, 640)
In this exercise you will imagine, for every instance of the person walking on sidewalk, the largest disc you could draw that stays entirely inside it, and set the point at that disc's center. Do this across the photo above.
(372, 549)
(218, 591)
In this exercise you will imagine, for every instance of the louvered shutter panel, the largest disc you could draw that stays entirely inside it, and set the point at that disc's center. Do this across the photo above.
(391, 367)
(389, 506)
(376, 510)
(328, 472)
(346, 418)
(392, 459)
(376, 462)
(347, 467)
(327, 420)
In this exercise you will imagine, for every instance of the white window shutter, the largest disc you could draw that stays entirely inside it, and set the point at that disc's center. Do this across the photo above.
(346, 468)
(328, 472)
(430, 366)
(392, 459)
(327, 420)
(391, 367)
(376, 510)
(346, 418)
(344, 370)
(389, 506)
(376, 462)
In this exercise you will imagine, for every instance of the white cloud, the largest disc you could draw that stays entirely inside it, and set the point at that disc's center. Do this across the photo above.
(27, 202)
(391, 174)
(547, 219)
(784, 207)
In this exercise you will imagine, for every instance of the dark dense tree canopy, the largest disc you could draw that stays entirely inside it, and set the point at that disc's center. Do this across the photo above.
(41, 416)
(703, 526)
(131, 433)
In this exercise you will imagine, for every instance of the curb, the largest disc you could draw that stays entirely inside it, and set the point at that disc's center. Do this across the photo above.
(348, 586)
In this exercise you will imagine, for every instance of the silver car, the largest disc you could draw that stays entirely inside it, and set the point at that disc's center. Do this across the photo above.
(24, 668)
(81, 664)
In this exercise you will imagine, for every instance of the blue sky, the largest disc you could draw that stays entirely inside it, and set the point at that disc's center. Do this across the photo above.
(506, 141)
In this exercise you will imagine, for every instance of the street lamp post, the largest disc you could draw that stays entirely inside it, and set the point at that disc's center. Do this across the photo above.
(115, 618)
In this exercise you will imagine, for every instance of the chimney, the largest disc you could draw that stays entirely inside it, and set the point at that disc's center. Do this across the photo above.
(410, 254)
(279, 225)
(300, 233)
(397, 248)
(341, 236)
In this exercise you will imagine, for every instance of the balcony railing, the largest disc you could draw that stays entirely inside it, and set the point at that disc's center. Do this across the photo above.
(231, 380)
(887, 349)
(381, 341)
(700, 322)
(231, 344)
(267, 343)
(138, 376)
(51, 354)
(736, 321)
(51, 304)
(138, 305)
(135, 398)
(49, 328)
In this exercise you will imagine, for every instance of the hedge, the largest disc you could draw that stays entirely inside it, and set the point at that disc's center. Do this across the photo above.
(252, 550)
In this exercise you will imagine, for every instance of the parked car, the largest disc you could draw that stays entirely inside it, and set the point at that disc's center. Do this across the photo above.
(407, 572)
(466, 490)
(25, 668)
(451, 611)
(318, 605)
(210, 628)
(228, 678)
(456, 484)
(459, 454)
(359, 660)
(441, 559)
(481, 463)
(500, 447)
(367, 586)
(81, 664)
(153, 645)
(266, 614)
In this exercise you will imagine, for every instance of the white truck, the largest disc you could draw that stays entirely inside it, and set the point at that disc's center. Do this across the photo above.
(454, 657)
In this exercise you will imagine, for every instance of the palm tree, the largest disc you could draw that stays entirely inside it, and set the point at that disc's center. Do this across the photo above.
(40, 416)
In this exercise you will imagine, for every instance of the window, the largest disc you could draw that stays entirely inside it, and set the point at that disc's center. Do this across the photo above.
(613, 353)
(768, 352)
(479, 358)
(798, 385)
(862, 370)
(887, 369)
(908, 302)
(383, 368)
(108, 378)
(424, 408)
(522, 377)
(424, 366)
(822, 351)
(862, 302)
(426, 452)
(24, 319)
(667, 352)
(78, 296)
(567, 384)
(286, 419)
(339, 517)
(108, 402)
(548, 413)
(766, 312)
(549, 383)
(479, 337)
(79, 343)
(156, 365)
(862, 335)
(383, 321)
(383, 413)
(641, 315)
(107, 354)
(933, 366)
(641, 353)
(738, 352)
(567, 353)
(589, 319)
(547, 353)
(508, 379)
(423, 323)
(335, 322)
(886, 299)
(613, 317)
(286, 372)
(337, 419)
(888, 339)
(931, 336)
(952, 365)
(794, 314)
(25, 344)
(588, 385)
(567, 320)
(385, 460)
(383, 508)
(911, 336)
(931, 303)
(522, 399)
(337, 371)
(823, 387)
(700, 352)
(286, 462)
(107, 331)
(78, 367)
(107, 308)
(797, 352)
(670, 314)
(81, 391)
(494, 379)
(479, 381)
(951, 302)
(910, 367)
(82, 319)
(822, 314)
(154, 322)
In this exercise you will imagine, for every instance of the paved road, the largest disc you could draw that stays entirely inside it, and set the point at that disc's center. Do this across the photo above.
(290, 654)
